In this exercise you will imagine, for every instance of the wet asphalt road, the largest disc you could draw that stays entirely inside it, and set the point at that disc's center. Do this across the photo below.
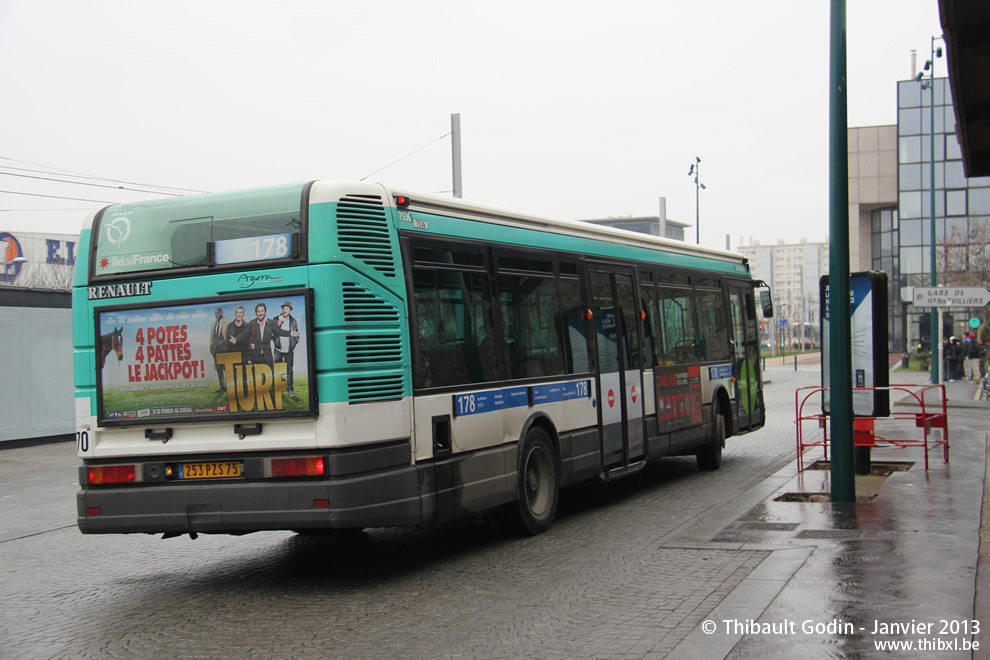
(629, 569)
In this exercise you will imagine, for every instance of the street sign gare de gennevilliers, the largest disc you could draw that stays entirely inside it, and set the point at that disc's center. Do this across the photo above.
(948, 296)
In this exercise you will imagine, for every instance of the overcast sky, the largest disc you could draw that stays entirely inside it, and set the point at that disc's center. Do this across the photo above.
(574, 109)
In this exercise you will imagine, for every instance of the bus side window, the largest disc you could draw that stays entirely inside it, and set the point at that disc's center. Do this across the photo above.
(714, 336)
(573, 326)
(454, 331)
(529, 305)
(677, 321)
(649, 305)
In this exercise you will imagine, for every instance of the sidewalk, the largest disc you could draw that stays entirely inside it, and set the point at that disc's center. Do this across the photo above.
(867, 574)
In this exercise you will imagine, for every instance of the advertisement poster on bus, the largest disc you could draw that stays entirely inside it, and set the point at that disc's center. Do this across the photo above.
(219, 358)
(678, 391)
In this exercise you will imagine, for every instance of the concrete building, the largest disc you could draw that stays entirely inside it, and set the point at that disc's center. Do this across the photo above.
(890, 204)
(36, 260)
(793, 271)
(654, 225)
(36, 328)
(873, 215)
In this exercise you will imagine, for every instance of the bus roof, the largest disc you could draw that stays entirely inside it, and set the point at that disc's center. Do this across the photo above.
(495, 214)
(325, 190)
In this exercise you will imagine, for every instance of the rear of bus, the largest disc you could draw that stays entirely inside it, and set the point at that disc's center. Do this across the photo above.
(222, 344)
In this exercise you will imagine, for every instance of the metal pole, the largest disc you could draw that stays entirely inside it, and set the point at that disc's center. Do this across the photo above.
(840, 332)
(935, 316)
(696, 171)
(455, 148)
(697, 204)
(941, 348)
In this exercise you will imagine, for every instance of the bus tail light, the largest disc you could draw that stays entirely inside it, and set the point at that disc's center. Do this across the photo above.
(112, 474)
(309, 466)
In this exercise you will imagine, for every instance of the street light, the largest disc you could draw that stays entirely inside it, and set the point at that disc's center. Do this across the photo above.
(698, 187)
(936, 338)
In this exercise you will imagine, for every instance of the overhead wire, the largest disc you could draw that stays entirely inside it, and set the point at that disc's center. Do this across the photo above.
(75, 199)
(406, 156)
(94, 185)
(82, 175)
(83, 208)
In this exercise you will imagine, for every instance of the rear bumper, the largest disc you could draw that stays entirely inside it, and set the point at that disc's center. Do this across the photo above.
(390, 498)
(369, 487)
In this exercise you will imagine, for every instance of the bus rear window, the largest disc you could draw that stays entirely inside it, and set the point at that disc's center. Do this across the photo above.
(206, 230)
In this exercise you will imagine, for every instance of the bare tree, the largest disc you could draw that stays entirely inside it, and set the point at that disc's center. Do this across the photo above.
(51, 276)
(964, 260)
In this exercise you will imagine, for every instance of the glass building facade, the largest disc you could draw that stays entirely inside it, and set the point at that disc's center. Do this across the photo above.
(886, 257)
(901, 236)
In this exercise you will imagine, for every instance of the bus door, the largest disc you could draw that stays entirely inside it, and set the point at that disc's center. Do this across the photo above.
(618, 327)
(746, 340)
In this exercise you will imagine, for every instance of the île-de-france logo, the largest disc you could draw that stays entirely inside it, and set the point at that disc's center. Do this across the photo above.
(118, 230)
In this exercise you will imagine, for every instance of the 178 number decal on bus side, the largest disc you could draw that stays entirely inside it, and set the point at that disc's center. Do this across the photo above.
(515, 397)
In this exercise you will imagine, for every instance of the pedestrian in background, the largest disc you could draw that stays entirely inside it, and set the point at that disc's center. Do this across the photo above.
(961, 351)
(974, 357)
(951, 353)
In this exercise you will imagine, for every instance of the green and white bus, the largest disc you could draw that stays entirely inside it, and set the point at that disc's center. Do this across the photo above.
(335, 355)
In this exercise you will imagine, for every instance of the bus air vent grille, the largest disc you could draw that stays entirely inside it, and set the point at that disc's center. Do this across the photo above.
(373, 349)
(363, 306)
(363, 232)
(374, 388)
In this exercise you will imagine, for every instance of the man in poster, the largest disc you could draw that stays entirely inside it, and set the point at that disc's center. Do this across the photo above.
(262, 333)
(218, 340)
(238, 332)
(286, 338)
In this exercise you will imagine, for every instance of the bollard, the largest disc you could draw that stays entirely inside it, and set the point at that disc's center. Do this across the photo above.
(795, 363)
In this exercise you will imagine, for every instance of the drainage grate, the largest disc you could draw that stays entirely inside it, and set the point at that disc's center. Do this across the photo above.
(769, 526)
(838, 534)
(878, 468)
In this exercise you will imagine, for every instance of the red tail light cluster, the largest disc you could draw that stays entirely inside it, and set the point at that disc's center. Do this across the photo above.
(309, 466)
(112, 474)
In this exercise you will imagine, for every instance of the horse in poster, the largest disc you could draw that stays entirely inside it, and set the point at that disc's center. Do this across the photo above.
(112, 341)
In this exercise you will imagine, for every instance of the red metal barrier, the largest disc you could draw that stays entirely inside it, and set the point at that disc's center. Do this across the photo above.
(929, 415)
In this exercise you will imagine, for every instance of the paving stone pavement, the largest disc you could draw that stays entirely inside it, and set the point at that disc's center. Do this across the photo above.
(627, 571)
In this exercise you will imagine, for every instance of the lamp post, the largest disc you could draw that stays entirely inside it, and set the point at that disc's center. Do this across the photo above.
(698, 187)
(9, 268)
(936, 335)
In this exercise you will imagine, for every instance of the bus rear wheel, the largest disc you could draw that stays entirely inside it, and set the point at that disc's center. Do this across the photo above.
(537, 486)
(710, 456)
